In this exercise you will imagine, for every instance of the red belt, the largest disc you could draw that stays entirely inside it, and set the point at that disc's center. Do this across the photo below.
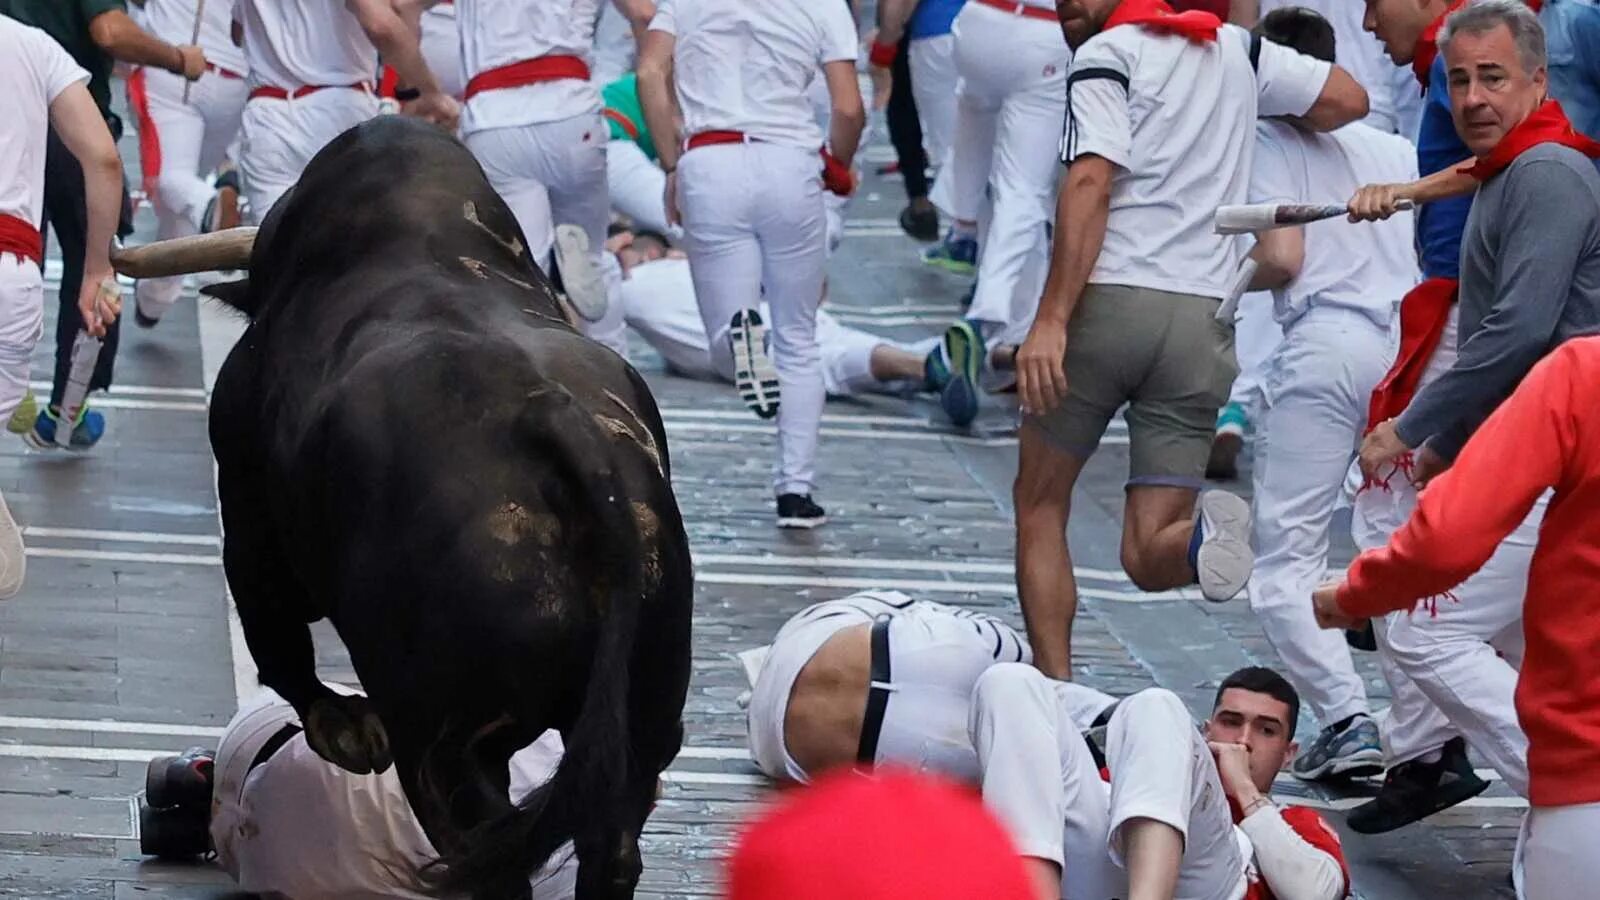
(1027, 12)
(271, 92)
(22, 239)
(225, 73)
(529, 71)
(711, 138)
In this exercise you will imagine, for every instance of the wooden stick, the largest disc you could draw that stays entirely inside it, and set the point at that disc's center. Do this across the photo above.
(199, 16)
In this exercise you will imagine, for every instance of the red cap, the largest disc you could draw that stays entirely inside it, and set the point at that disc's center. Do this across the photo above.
(889, 835)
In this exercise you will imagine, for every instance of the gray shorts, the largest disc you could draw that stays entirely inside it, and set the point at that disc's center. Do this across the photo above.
(1163, 354)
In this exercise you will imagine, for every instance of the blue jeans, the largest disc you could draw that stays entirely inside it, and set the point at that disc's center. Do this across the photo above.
(1572, 36)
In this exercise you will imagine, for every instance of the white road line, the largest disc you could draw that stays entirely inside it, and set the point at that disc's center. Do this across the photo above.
(894, 321)
(891, 309)
(713, 753)
(109, 726)
(103, 402)
(75, 835)
(90, 754)
(746, 416)
(672, 776)
(733, 428)
(853, 562)
(834, 581)
(123, 537)
(176, 559)
(140, 390)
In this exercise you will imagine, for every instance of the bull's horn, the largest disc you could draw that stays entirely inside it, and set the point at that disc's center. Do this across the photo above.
(215, 252)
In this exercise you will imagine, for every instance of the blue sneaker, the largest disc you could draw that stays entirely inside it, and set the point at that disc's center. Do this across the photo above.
(86, 432)
(1348, 749)
(963, 353)
(957, 253)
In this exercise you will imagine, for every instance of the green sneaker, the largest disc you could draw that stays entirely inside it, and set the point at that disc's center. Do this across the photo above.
(22, 420)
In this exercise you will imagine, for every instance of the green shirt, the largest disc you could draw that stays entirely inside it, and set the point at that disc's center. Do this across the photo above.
(68, 22)
(621, 98)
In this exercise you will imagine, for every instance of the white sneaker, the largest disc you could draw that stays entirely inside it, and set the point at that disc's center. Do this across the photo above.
(583, 280)
(13, 560)
(1224, 560)
(754, 375)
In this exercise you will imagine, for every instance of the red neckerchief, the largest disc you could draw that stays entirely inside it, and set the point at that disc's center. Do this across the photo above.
(1547, 125)
(1156, 15)
(1424, 313)
(1427, 49)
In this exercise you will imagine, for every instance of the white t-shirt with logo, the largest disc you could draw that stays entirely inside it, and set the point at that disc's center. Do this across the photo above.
(497, 33)
(1177, 118)
(35, 70)
(173, 22)
(296, 43)
(1366, 267)
(746, 66)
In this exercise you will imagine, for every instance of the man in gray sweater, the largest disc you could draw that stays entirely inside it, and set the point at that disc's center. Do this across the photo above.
(1530, 257)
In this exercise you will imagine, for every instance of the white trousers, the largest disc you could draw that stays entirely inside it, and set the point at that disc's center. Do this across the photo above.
(21, 325)
(753, 218)
(279, 137)
(554, 173)
(1255, 335)
(637, 187)
(1040, 779)
(1009, 110)
(1560, 852)
(181, 144)
(1316, 389)
(933, 84)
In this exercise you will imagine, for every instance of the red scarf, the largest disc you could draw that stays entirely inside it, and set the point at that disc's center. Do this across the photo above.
(1423, 315)
(1156, 15)
(1427, 49)
(1547, 125)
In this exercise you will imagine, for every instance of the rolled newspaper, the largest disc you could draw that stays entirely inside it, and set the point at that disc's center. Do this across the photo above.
(1251, 217)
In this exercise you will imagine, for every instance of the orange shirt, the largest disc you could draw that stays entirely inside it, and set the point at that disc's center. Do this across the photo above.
(1547, 435)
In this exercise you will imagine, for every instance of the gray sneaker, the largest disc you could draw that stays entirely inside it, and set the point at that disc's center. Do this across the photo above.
(1352, 751)
(1223, 559)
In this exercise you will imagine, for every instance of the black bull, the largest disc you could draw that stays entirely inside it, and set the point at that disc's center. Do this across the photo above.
(414, 444)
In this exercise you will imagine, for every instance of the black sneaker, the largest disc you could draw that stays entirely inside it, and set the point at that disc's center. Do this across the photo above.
(921, 224)
(1363, 638)
(799, 511)
(177, 833)
(180, 781)
(1415, 790)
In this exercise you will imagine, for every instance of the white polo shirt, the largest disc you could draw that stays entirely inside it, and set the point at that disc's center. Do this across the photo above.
(497, 33)
(1366, 267)
(173, 22)
(35, 70)
(746, 66)
(294, 43)
(1177, 118)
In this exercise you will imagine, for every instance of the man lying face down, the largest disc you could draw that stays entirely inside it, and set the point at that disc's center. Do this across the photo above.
(1173, 811)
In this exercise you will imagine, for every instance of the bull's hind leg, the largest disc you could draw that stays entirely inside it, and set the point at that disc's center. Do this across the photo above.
(273, 609)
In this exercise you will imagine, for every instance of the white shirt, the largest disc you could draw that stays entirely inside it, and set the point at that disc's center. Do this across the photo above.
(295, 43)
(173, 22)
(299, 826)
(35, 70)
(1362, 55)
(1366, 267)
(615, 52)
(746, 66)
(1177, 118)
(497, 33)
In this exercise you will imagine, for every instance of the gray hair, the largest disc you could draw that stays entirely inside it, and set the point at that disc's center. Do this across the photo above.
(1480, 16)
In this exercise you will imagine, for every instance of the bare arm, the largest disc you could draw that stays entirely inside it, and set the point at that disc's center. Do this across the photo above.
(1279, 254)
(892, 18)
(123, 40)
(396, 42)
(1380, 201)
(77, 121)
(1081, 213)
(638, 13)
(1341, 102)
(657, 97)
(849, 113)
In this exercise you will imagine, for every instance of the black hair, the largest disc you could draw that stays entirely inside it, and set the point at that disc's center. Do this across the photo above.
(616, 228)
(1299, 29)
(1262, 680)
(646, 234)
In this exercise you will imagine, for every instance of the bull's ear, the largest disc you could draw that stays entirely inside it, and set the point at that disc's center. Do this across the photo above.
(234, 293)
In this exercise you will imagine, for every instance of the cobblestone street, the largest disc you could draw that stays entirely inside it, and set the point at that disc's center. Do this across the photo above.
(122, 646)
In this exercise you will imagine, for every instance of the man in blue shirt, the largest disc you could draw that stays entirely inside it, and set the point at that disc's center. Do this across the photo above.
(1572, 36)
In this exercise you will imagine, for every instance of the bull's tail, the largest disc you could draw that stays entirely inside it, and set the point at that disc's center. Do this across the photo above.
(585, 801)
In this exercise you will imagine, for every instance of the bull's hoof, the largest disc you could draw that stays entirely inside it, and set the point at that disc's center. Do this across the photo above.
(347, 732)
